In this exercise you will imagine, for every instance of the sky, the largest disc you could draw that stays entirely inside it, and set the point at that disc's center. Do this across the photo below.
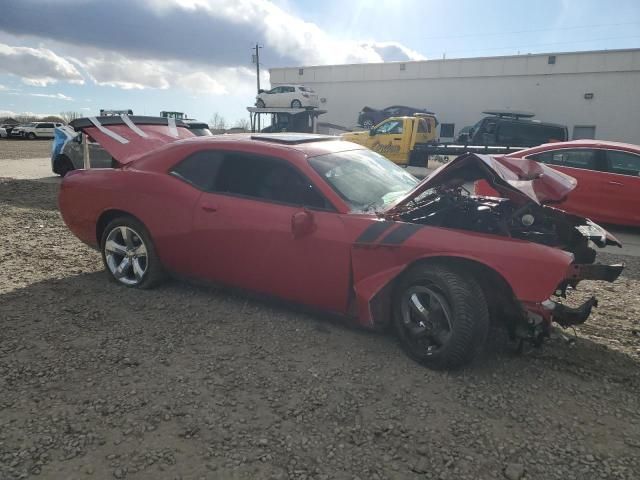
(194, 56)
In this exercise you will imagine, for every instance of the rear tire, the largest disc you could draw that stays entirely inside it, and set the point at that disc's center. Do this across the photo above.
(129, 255)
(63, 165)
(296, 104)
(440, 316)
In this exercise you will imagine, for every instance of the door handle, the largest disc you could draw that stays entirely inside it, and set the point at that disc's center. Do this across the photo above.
(209, 207)
(397, 138)
(612, 182)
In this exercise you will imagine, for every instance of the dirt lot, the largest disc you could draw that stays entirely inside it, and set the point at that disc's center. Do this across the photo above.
(19, 149)
(98, 381)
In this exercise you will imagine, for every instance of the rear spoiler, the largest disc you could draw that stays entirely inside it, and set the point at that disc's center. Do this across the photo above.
(129, 137)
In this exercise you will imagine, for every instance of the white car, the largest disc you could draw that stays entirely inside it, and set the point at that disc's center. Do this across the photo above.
(38, 130)
(288, 96)
(3, 133)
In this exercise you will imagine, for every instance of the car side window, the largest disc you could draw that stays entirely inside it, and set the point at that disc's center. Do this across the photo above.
(424, 126)
(544, 157)
(390, 127)
(623, 163)
(579, 158)
(267, 178)
(199, 169)
(290, 89)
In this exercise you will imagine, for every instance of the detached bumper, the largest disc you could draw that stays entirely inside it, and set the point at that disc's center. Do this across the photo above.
(565, 316)
(608, 273)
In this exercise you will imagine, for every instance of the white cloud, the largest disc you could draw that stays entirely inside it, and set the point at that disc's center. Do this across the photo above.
(119, 71)
(218, 81)
(200, 46)
(10, 113)
(37, 66)
(57, 96)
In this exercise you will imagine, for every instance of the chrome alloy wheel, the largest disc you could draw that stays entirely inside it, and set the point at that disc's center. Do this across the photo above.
(126, 255)
(426, 317)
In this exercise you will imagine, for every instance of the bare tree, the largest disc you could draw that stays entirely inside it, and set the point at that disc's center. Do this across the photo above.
(26, 118)
(243, 123)
(52, 118)
(218, 122)
(69, 116)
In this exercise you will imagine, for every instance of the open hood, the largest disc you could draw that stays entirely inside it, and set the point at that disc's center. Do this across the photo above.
(128, 137)
(520, 180)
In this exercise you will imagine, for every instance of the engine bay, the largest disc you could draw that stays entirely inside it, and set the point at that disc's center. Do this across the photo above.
(455, 207)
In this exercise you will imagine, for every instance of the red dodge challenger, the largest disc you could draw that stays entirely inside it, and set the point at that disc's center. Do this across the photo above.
(334, 226)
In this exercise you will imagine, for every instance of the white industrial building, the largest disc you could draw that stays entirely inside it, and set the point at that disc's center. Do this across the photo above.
(595, 94)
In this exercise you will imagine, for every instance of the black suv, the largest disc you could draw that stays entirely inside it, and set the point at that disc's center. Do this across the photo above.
(512, 129)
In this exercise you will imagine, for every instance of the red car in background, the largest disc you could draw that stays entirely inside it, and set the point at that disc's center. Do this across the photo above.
(334, 226)
(608, 175)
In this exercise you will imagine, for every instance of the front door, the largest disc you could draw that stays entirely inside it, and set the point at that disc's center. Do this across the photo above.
(387, 140)
(244, 229)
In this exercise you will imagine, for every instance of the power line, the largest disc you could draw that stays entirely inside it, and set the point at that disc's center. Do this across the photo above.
(529, 31)
(513, 47)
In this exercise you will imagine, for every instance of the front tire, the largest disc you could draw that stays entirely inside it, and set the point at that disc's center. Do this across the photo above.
(31, 136)
(440, 316)
(260, 103)
(129, 255)
(296, 104)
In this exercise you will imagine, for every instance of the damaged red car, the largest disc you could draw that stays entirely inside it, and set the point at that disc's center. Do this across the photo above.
(334, 226)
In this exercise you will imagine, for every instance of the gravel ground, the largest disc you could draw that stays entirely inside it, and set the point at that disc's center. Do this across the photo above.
(20, 149)
(185, 381)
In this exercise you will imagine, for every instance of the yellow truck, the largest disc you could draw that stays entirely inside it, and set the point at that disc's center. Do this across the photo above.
(400, 139)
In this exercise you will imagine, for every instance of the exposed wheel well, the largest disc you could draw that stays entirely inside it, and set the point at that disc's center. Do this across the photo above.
(497, 291)
(107, 217)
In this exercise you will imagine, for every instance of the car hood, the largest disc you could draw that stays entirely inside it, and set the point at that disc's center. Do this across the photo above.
(520, 180)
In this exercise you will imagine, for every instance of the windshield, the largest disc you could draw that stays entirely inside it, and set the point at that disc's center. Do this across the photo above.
(364, 179)
(201, 132)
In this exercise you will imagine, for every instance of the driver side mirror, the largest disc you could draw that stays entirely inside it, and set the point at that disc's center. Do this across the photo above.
(261, 90)
(372, 132)
(302, 223)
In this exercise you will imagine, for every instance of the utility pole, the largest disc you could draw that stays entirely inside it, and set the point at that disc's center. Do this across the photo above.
(256, 60)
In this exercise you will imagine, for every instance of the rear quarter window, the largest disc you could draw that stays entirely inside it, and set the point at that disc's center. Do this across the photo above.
(199, 169)
(623, 163)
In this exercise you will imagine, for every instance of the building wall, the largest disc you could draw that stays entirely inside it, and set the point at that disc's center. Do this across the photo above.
(459, 90)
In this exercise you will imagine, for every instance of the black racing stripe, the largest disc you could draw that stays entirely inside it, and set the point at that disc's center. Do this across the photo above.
(373, 231)
(400, 234)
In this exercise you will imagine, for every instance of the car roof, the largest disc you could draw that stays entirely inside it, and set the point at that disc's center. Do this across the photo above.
(526, 121)
(306, 143)
(584, 143)
(294, 151)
